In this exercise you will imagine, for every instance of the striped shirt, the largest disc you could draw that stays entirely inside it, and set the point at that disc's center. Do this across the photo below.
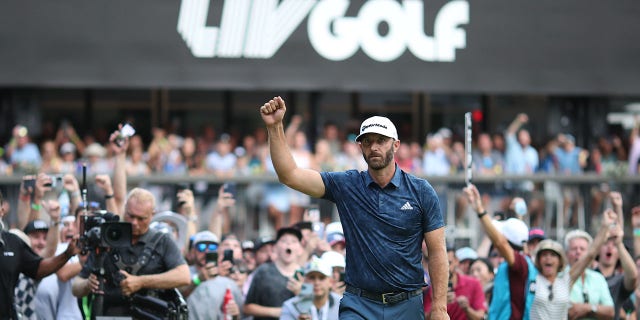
(551, 300)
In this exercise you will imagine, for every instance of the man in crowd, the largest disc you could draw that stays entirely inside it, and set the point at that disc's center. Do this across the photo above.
(509, 237)
(54, 299)
(204, 243)
(465, 299)
(274, 282)
(621, 284)
(165, 267)
(520, 157)
(590, 296)
(205, 301)
(464, 256)
(22, 153)
(43, 240)
(322, 303)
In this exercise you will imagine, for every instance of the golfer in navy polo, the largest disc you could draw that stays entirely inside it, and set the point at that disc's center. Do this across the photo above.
(386, 213)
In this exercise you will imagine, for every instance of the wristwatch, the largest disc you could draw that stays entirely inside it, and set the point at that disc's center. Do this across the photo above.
(594, 308)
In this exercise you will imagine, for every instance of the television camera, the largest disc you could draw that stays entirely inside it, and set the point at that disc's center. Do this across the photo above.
(102, 230)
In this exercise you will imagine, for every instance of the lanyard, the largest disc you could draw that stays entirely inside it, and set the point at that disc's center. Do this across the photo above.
(585, 294)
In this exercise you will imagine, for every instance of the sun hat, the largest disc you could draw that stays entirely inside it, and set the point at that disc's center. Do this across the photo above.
(553, 246)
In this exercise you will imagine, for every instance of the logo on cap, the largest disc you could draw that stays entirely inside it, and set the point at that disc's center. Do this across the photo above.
(379, 125)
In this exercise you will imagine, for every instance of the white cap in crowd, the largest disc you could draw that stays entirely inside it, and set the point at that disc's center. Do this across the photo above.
(318, 265)
(334, 259)
(515, 230)
(466, 253)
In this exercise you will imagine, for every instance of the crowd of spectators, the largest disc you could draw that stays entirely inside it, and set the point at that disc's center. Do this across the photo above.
(262, 273)
(226, 156)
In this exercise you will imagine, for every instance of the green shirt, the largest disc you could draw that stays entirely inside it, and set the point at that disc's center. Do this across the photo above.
(592, 286)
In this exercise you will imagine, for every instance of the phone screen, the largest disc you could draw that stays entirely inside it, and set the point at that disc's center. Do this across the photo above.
(29, 183)
(211, 257)
(230, 187)
(305, 300)
(228, 255)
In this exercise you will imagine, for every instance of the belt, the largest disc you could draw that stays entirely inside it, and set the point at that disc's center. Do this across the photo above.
(386, 298)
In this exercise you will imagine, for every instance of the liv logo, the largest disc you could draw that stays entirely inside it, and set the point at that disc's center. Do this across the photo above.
(258, 28)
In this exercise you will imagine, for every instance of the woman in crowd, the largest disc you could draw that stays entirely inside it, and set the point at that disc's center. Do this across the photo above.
(482, 270)
(553, 286)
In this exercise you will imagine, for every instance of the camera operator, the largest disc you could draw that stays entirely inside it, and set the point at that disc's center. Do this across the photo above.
(16, 257)
(165, 267)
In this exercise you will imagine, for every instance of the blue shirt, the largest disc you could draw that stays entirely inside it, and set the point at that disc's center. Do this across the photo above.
(384, 227)
(568, 161)
(519, 160)
(29, 154)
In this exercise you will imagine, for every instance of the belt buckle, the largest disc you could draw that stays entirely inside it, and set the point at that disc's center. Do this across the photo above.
(384, 297)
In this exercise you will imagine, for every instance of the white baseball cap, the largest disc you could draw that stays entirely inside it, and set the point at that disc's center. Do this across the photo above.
(379, 125)
(466, 253)
(333, 227)
(515, 230)
(318, 265)
(334, 259)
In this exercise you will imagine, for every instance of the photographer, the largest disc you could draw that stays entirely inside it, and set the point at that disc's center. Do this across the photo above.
(165, 267)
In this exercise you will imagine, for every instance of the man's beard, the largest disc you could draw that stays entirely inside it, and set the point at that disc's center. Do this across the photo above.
(376, 165)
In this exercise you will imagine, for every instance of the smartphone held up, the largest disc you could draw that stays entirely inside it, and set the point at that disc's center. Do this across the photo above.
(125, 132)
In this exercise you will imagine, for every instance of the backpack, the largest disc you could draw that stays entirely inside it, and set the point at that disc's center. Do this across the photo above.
(500, 308)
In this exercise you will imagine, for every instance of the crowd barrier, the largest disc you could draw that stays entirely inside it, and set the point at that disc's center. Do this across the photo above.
(584, 192)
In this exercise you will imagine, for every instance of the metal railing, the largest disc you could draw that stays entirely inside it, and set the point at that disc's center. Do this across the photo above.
(251, 219)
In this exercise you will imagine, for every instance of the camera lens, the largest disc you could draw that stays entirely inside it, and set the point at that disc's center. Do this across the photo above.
(114, 234)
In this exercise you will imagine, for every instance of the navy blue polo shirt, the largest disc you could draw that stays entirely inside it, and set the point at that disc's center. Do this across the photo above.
(384, 227)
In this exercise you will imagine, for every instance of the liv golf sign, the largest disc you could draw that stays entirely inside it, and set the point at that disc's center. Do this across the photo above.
(256, 29)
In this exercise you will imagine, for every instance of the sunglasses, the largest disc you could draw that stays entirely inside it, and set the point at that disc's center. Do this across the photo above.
(92, 204)
(202, 247)
(550, 292)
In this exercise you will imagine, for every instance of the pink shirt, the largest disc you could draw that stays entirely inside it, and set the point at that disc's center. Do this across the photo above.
(467, 286)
